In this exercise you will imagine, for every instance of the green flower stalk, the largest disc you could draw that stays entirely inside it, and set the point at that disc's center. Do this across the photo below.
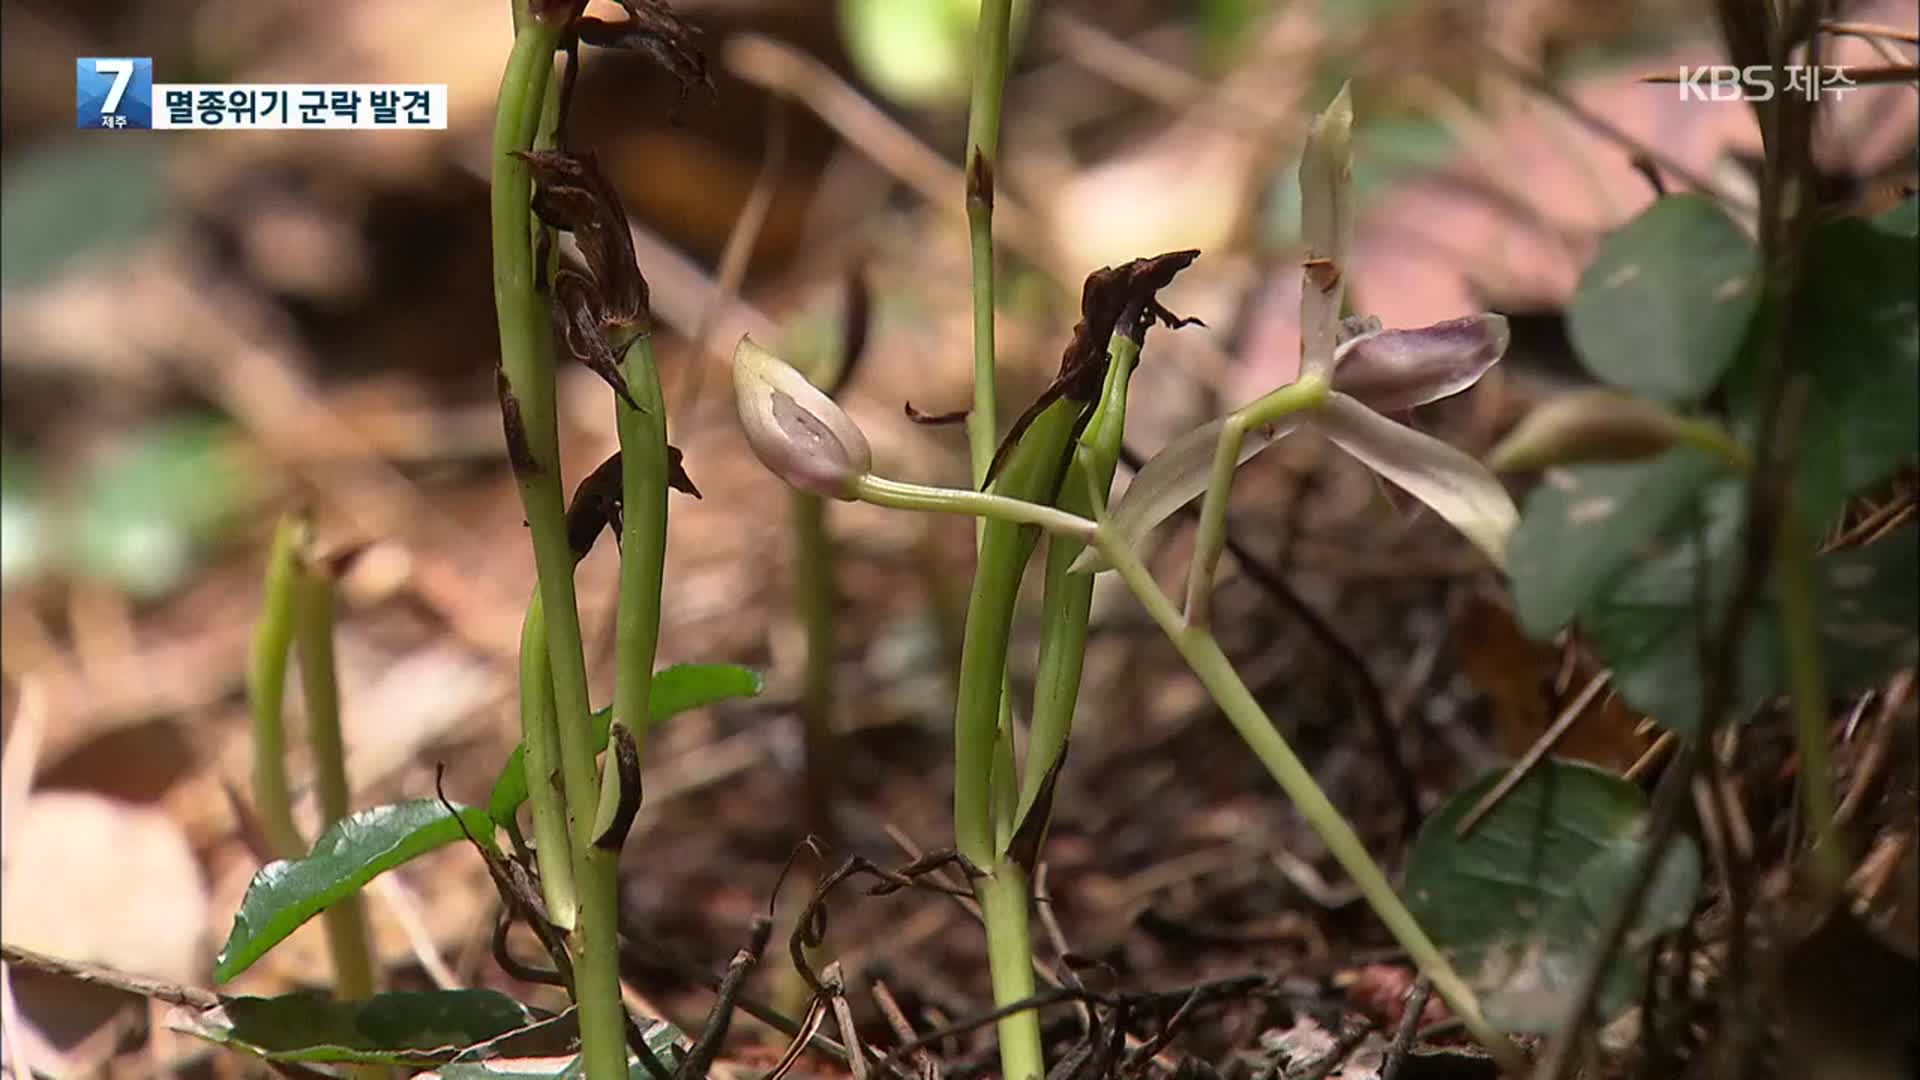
(346, 921)
(267, 688)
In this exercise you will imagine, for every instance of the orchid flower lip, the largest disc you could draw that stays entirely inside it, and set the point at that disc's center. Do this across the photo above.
(1391, 370)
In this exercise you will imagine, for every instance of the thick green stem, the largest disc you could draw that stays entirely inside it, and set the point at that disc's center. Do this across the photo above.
(346, 921)
(266, 692)
(1068, 601)
(527, 391)
(540, 732)
(1793, 587)
(1216, 673)
(1306, 393)
(813, 598)
(1003, 897)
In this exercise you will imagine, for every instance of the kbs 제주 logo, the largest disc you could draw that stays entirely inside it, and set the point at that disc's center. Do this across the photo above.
(117, 93)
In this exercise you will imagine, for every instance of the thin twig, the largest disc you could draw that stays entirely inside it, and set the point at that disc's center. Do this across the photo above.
(1402, 1046)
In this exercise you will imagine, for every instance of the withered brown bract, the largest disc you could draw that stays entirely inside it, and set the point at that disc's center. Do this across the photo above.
(1115, 299)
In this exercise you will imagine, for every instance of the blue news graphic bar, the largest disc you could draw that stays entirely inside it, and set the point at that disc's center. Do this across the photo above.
(118, 93)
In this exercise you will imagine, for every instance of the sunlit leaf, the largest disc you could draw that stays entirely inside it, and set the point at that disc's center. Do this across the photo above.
(353, 851)
(1452, 484)
(677, 689)
(1522, 902)
(1173, 478)
(1664, 306)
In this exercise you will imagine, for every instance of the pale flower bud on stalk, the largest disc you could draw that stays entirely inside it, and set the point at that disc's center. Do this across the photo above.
(1588, 426)
(797, 432)
(1393, 370)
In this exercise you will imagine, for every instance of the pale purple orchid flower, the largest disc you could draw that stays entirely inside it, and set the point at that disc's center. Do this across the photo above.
(1368, 371)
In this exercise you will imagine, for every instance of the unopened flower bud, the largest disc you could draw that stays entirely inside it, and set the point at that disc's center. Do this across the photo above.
(795, 430)
(1398, 369)
(1587, 426)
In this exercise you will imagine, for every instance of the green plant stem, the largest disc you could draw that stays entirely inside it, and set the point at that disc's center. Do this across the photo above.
(1003, 897)
(1793, 587)
(540, 731)
(900, 495)
(596, 941)
(1068, 601)
(266, 691)
(1202, 653)
(813, 598)
(1306, 393)
(346, 921)
(526, 359)
(983, 150)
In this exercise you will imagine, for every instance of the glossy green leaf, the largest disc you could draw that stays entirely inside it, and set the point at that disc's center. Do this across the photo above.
(1663, 309)
(353, 851)
(677, 689)
(1521, 903)
(1582, 527)
(416, 1030)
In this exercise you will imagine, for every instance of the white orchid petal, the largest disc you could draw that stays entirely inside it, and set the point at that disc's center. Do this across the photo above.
(1455, 486)
(1173, 478)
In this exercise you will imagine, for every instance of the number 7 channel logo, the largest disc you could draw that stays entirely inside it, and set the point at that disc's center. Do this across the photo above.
(114, 92)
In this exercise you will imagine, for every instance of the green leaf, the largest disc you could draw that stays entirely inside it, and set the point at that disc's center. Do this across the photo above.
(353, 851)
(1582, 527)
(1870, 609)
(1648, 625)
(677, 689)
(1521, 903)
(1664, 307)
(417, 1030)
(1856, 336)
